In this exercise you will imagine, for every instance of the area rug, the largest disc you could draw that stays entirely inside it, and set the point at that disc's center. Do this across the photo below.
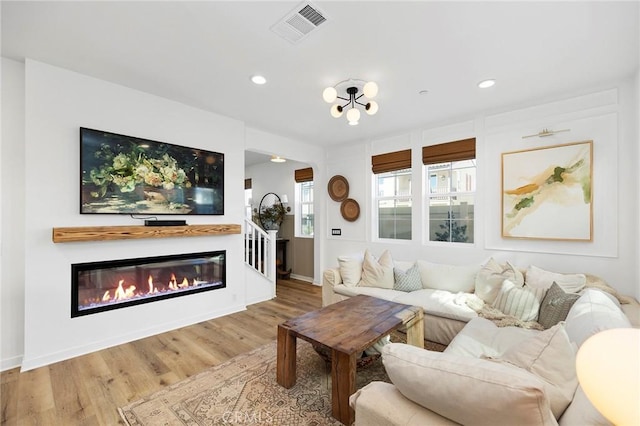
(243, 390)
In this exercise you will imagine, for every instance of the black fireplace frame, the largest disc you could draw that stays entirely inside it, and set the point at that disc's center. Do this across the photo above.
(79, 267)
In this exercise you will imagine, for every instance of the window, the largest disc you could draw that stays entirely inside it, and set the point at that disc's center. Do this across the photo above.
(304, 202)
(393, 194)
(450, 190)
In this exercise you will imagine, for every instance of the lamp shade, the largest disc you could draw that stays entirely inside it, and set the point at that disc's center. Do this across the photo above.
(372, 107)
(370, 89)
(336, 111)
(608, 369)
(330, 94)
(353, 115)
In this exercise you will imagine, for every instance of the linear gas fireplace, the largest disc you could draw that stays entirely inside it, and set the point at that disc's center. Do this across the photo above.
(113, 284)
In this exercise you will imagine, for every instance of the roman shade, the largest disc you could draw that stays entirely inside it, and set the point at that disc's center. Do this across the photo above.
(303, 175)
(464, 149)
(247, 183)
(391, 161)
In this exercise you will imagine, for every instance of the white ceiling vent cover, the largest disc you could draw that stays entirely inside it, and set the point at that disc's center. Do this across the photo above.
(299, 23)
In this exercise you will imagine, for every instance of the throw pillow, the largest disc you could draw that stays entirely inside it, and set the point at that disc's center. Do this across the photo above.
(550, 356)
(377, 272)
(467, 390)
(594, 311)
(453, 278)
(555, 306)
(350, 269)
(408, 280)
(537, 277)
(520, 302)
(490, 277)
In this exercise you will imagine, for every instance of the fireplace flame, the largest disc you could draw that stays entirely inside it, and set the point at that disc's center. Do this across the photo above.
(125, 290)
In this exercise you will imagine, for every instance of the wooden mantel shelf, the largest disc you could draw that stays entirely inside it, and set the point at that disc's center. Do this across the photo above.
(106, 233)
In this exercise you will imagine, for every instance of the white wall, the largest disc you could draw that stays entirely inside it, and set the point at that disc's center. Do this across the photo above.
(12, 169)
(58, 102)
(607, 116)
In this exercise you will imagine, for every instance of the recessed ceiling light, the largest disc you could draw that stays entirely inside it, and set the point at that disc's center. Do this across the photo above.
(258, 79)
(277, 159)
(423, 92)
(484, 84)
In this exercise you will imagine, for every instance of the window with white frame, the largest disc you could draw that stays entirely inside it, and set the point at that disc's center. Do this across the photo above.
(393, 195)
(450, 191)
(304, 203)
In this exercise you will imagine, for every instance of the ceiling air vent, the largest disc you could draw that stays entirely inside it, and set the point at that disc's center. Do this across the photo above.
(299, 23)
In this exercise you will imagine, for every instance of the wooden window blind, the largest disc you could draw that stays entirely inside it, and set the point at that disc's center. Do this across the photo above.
(247, 183)
(451, 151)
(391, 161)
(303, 175)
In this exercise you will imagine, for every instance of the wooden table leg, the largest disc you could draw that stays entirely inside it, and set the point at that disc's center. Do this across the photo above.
(343, 385)
(415, 330)
(286, 358)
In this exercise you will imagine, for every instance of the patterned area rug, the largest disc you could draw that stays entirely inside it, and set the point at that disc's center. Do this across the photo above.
(243, 390)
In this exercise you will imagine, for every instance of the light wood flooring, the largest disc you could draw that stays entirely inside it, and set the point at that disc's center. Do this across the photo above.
(87, 390)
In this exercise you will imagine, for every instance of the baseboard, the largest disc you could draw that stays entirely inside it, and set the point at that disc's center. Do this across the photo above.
(9, 363)
(302, 278)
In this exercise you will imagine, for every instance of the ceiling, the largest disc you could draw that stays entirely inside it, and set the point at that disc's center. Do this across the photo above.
(203, 54)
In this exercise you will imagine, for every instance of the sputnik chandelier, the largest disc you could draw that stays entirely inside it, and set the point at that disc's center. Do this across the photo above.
(354, 91)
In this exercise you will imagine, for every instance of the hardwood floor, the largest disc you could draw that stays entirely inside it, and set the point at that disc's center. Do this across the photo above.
(87, 390)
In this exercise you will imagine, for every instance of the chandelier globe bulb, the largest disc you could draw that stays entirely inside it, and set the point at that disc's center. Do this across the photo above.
(329, 94)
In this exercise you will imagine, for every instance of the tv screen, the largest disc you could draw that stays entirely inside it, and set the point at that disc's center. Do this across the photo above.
(129, 175)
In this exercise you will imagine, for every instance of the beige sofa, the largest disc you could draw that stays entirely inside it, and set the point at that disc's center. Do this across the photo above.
(490, 375)
(461, 385)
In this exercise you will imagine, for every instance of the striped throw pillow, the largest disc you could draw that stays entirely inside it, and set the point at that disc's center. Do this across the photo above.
(520, 302)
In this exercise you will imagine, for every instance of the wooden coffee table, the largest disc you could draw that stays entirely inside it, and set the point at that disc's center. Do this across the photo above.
(345, 328)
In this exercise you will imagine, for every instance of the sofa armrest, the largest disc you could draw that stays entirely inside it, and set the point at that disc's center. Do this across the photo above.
(382, 404)
(330, 278)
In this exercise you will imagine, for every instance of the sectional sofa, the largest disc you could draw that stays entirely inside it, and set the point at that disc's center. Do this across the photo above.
(512, 337)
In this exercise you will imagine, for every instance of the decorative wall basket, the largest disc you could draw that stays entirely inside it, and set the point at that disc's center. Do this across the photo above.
(338, 188)
(350, 209)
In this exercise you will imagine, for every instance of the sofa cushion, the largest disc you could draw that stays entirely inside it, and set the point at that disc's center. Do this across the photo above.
(521, 302)
(377, 272)
(490, 277)
(537, 277)
(481, 337)
(380, 293)
(551, 356)
(555, 306)
(453, 278)
(408, 280)
(438, 302)
(582, 412)
(351, 269)
(467, 390)
(594, 311)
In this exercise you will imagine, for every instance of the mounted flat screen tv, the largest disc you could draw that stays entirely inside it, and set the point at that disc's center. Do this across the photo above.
(129, 175)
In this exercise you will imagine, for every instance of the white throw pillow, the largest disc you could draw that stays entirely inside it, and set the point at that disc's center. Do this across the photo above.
(377, 272)
(351, 269)
(594, 311)
(490, 277)
(537, 277)
(453, 278)
(467, 390)
(520, 302)
(550, 356)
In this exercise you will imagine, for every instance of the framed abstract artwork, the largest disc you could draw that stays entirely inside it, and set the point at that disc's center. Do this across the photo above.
(547, 193)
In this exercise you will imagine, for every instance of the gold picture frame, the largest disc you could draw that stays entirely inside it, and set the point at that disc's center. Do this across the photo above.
(547, 193)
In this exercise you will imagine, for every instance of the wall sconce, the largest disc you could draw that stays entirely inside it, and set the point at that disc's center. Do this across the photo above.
(285, 202)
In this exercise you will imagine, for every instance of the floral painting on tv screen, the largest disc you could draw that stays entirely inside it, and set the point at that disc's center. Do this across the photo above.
(129, 175)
